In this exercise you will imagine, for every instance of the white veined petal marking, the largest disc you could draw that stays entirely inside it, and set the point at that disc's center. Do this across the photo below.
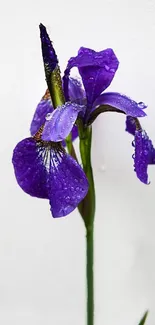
(51, 154)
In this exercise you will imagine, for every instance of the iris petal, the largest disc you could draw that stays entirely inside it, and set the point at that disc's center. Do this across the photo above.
(61, 122)
(130, 125)
(76, 92)
(45, 170)
(144, 155)
(42, 109)
(97, 70)
(30, 171)
(68, 185)
(119, 101)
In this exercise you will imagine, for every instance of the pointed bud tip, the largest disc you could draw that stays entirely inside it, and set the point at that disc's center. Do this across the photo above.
(48, 52)
(41, 26)
(43, 31)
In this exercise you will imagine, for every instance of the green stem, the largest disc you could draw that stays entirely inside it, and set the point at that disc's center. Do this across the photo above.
(87, 211)
(87, 206)
(69, 143)
(70, 147)
(90, 275)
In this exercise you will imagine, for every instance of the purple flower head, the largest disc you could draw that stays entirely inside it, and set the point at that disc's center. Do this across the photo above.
(97, 70)
(42, 166)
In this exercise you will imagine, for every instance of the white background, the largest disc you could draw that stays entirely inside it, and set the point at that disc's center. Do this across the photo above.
(42, 260)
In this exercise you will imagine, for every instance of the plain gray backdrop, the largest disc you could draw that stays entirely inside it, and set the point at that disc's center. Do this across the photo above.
(42, 260)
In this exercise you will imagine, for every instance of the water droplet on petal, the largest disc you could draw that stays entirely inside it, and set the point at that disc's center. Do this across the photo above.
(67, 199)
(112, 70)
(67, 172)
(145, 152)
(106, 67)
(48, 116)
(141, 105)
(77, 188)
(133, 143)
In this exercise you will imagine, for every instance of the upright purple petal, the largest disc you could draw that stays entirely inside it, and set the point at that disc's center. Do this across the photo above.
(76, 92)
(144, 155)
(30, 170)
(97, 70)
(45, 170)
(122, 102)
(42, 109)
(60, 123)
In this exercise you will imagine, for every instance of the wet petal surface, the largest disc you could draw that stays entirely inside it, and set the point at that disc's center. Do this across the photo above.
(42, 109)
(144, 155)
(61, 122)
(30, 170)
(75, 91)
(68, 186)
(45, 170)
(122, 102)
(97, 70)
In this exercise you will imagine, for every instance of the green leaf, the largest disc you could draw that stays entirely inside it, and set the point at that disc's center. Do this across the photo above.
(142, 322)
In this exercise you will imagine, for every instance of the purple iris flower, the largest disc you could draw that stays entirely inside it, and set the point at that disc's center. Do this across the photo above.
(42, 166)
(144, 154)
(44, 169)
(97, 70)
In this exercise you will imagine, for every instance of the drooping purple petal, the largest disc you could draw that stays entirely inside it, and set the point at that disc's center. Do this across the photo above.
(68, 185)
(122, 102)
(60, 123)
(130, 125)
(144, 155)
(48, 52)
(97, 70)
(30, 171)
(42, 109)
(151, 156)
(47, 171)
